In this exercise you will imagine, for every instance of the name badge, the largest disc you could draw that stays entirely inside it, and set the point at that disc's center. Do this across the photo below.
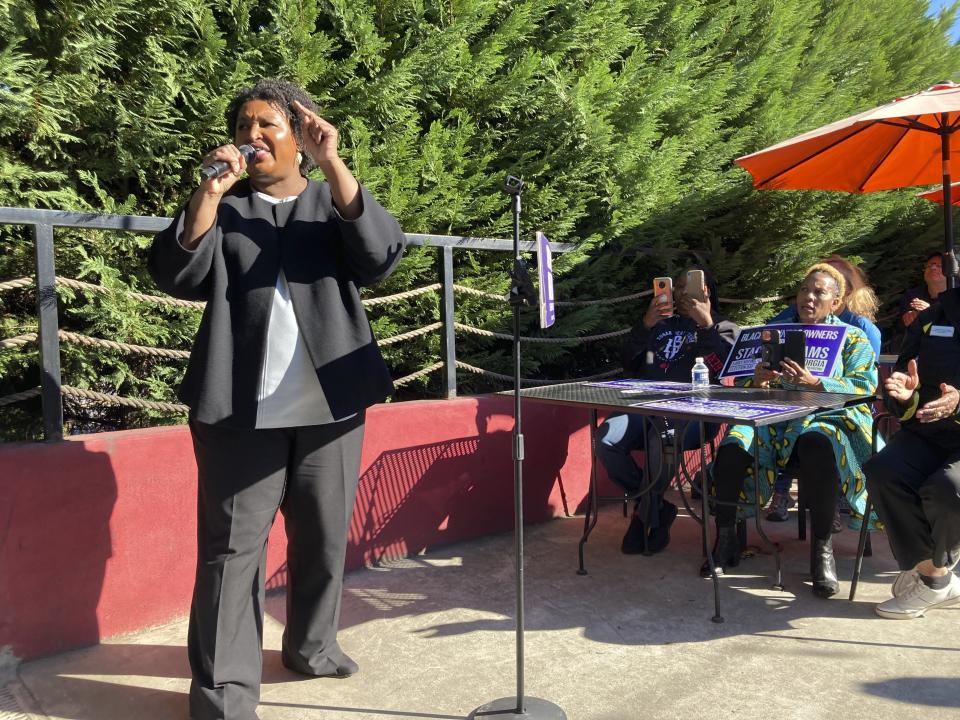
(941, 331)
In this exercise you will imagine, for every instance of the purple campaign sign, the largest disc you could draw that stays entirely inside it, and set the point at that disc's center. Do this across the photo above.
(545, 271)
(643, 385)
(824, 344)
(734, 409)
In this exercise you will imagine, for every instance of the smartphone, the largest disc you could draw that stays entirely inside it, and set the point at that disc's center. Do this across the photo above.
(795, 347)
(695, 285)
(771, 351)
(663, 290)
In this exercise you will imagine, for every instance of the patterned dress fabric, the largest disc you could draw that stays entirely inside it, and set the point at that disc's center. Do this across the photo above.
(848, 430)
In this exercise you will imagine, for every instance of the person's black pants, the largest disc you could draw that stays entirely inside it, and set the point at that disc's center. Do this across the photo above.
(915, 486)
(622, 433)
(244, 476)
(817, 467)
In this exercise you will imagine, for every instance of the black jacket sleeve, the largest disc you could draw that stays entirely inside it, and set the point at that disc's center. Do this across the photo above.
(714, 344)
(909, 350)
(634, 350)
(180, 272)
(373, 243)
(933, 340)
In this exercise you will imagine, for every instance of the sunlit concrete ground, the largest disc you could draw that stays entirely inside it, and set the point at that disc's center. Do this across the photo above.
(434, 636)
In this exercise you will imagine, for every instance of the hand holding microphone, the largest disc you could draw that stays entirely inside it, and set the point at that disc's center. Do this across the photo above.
(222, 161)
(221, 169)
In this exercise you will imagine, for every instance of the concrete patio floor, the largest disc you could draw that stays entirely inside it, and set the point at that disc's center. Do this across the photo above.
(434, 637)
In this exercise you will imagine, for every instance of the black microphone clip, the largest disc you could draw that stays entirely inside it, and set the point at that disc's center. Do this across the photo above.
(512, 185)
(221, 167)
(522, 291)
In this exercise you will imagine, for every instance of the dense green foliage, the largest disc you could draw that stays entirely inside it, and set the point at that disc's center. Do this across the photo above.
(623, 117)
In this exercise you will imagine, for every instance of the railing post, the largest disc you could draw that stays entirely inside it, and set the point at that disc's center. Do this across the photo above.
(448, 342)
(49, 339)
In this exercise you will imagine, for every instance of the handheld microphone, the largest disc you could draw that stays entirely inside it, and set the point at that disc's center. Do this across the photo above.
(215, 170)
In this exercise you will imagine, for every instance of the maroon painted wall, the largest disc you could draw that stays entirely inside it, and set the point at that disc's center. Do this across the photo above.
(98, 531)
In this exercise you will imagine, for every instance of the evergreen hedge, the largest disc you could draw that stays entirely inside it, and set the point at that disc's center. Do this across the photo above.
(622, 116)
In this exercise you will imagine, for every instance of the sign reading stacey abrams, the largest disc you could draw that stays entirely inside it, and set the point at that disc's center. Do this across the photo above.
(823, 346)
(730, 409)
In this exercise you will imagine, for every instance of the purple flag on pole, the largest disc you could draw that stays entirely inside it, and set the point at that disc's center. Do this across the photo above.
(545, 271)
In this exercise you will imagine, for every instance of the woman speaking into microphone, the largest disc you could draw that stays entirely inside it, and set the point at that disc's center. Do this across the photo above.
(283, 366)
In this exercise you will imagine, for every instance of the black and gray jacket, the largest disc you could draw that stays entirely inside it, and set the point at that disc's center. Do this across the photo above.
(933, 340)
(234, 269)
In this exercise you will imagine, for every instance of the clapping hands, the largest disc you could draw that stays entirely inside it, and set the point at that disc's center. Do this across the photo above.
(901, 386)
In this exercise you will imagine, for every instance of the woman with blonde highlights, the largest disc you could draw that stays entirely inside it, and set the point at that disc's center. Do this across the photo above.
(828, 447)
(858, 306)
(860, 298)
(859, 309)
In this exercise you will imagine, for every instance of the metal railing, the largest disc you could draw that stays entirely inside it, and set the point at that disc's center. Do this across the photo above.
(49, 335)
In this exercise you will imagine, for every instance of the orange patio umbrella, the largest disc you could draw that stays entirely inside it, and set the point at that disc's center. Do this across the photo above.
(904, 143)
(937, 195)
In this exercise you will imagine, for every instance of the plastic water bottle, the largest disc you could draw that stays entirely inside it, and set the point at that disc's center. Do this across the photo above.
(700, 375)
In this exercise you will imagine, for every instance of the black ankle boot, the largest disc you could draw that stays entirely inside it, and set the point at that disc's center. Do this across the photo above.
(659, 537)
(633, 540)
(726, 551)
(823, 568)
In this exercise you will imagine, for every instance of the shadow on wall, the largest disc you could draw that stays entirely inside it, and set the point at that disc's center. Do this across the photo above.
(97, 532)
(416, 498)
(56, 501)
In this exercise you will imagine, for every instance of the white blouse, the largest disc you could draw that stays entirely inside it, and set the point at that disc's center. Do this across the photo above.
(289, 393)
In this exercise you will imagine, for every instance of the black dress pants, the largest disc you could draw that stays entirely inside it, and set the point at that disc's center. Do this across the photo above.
(244, 476)
(914, 484)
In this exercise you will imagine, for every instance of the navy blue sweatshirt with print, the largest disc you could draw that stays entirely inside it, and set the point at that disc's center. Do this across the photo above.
(668, 350)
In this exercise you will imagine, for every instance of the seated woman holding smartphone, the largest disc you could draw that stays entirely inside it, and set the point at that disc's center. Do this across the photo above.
(829, 447)
(681, 324)
(858, 308)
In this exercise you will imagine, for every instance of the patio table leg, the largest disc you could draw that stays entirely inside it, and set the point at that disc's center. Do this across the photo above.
(593, 502)
(778, 581)
(704, 516)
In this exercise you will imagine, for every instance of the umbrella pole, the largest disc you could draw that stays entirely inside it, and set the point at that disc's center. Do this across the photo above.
(951, 260)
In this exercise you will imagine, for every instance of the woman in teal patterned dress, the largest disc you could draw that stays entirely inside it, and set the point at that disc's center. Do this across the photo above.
(829, 447)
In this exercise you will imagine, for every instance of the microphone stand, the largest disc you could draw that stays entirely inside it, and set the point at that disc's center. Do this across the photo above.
(522, 293)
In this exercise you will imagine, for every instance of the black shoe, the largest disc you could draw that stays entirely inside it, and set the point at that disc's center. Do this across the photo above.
(659, 536)
(343, 671)
(337, 665)
(726, 551)
(779, 507)
(823, 568)
(633, 539)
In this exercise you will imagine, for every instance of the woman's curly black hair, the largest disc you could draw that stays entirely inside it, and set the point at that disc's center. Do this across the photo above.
(281, 94)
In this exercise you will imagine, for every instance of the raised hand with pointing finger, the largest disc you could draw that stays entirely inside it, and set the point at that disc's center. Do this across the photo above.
(320, 140)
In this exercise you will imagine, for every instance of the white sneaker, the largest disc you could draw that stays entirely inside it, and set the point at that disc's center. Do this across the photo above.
(918, 598)
(905, 580)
